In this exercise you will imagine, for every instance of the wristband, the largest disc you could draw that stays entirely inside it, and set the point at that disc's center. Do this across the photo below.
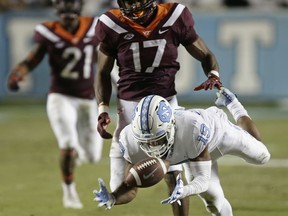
(102, 108)
(213, 72)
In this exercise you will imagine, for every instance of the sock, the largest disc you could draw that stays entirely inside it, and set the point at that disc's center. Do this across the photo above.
(69, 188)
(237, 110)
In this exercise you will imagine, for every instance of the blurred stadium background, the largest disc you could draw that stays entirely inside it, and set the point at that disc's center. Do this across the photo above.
(249, 39)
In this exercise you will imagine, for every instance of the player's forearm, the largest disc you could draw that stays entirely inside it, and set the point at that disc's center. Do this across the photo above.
(200, 51)
(201, 171)
(124, 194)
(247, 124)
(209, 63)
(103, 88)
(35, 56)
(21, 69)
(103, 84)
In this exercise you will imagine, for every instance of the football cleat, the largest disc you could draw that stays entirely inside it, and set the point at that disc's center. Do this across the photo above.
(224, 97)
(68, 6)
(70, 197)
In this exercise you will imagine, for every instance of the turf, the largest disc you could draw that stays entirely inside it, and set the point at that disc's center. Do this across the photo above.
(30, 177)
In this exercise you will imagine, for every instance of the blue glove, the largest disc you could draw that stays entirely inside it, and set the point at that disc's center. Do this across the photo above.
(103, 196)
(177, 193)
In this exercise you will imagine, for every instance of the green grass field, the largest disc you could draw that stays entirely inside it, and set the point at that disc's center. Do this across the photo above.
(30, 177)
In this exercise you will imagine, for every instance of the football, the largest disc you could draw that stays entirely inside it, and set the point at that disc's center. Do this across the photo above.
(147, 172)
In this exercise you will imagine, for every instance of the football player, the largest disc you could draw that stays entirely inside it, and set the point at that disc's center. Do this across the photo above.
(70, 44)
(196, 138)
(143, 37)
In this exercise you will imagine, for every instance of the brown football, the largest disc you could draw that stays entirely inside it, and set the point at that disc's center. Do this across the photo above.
(147, 172)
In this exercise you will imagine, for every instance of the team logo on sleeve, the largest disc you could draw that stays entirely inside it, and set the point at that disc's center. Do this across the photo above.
(128, 36)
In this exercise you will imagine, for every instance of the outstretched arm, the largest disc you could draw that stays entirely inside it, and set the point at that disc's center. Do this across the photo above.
(226, 98)
(199, 173)
(103, 86)
(122, 195)
(23, 68)
(247, 124)
(200, 51)
(103, 90)
(125, 194)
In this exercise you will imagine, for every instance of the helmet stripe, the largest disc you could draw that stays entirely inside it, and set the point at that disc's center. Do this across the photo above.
(144, 118)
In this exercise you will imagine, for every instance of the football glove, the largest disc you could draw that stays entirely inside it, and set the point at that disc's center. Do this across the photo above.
(103, 121)
(212, 82)
(103, 196)
(177, 193)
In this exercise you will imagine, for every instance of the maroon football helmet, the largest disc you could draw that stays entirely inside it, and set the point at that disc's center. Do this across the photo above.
(139, 11)
(68, 12)
(68, 6)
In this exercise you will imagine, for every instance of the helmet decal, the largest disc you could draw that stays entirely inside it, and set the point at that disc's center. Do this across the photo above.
(164, 112)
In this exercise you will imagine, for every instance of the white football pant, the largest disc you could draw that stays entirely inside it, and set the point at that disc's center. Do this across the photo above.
(74, 123)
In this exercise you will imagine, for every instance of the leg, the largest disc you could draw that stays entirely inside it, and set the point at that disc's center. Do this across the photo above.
(63, 117)
(89, 138)
(214, 198)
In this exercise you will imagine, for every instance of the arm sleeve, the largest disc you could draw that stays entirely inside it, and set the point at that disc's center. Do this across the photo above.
(198, 179)
(105, 41)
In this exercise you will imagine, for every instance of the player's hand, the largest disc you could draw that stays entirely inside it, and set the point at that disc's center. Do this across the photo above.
(13, 81)
(103, 196)
(177, 194)
(212, 82)
(103, 121)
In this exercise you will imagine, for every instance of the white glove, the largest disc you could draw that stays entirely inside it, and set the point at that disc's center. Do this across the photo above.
(103, 196)
(177, 193)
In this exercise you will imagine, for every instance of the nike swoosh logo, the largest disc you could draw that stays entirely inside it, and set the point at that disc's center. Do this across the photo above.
(150, 174)
(162, 32)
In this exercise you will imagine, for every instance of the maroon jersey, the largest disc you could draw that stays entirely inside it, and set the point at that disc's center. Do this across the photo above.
(70, 56)
(146, 56)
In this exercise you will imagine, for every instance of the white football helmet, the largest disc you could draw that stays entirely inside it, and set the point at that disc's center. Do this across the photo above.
(153, 125)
